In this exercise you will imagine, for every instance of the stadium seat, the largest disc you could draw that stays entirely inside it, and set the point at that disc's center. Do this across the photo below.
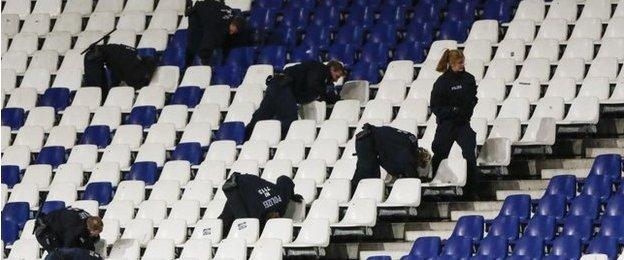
(562, 185)
(314, 232)
(68, 173)
(139, 229)
(13, 118)
(580, 227)
(603, 67)
(24, 98)
(553, 29)
(167, 190)
(24, 41)
(102, 192)
(504, 68)
(57, 41)
(52, 155)
(521, 29)
(232, 248)
(615, 205)
(10, 232)
(119, 153)
(603, 245)
(10, 24)
(38, 174)
(208, 229)
(611, 31)
(15, 60)
(49, 206)
(566, 246)
(457, 247)
(24, 249)
(121, 211)
(494, 247)
(563, 10)
(106, 172)
(159, 247)
(590, 28)
(125, 249)
(16, 212)
(45, 59)
(529, 246)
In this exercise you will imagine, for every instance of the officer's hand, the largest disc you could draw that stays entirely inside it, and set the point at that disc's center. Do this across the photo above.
(297, 198)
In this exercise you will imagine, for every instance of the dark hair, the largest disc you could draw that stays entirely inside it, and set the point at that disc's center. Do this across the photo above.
(336, 65)
(239, 22)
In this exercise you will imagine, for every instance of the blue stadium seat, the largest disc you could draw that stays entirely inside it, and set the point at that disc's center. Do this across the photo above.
(262, 18)
(273, 55)
(375, 53)
(16, 212)
(383, 33)
(518, 257)
(518, 206)
(566, 246)
(340, 4)
(424, 247)
(145, 116)
(174, 56)
(457, 247)
(13, 117)
(505, 226)
(365, 71)
(49, 206)
(620, 191)
(458, 15)
(144, 171)
(600, 186)
(234, 131)
(360, 16)
(379, 257)
(350, 34)
(191, 152)
(296, 18)
(615, 205)
(399, 3)
(497, 10)
(345, 53)
(304, 53)
(10, 232)
(52, 155)
(585, 205)
(541, 226)
(273, 4)
(242, 57)
(493, 247)
(96, 134)
(189, 96)
(58, 98)
(453, 31)
(470, 227)
(102, 192)
(427, 12)
(371, 3)
(318, 36)
(10, 175)
(228, 74)
(529, 246)
(410, 50)
(179, 39)
(603, 245)
(285, 36)
(465, 8)
(301, 3)
(580, 227)
(422, 32)
(552, 205)
(147, 52)
(608, 165)
(393, 15)
(612, 226)
(563, 185)
(328, 17)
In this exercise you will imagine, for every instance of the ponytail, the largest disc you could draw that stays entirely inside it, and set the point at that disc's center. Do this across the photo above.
(444, 62)
(447, 57)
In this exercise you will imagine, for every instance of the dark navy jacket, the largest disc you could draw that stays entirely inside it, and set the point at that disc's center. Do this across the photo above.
(260, 196)
(69, 226)
(454, 97)
(311, 80)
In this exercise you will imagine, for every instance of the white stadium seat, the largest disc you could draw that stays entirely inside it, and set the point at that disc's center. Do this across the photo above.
(224, 150)
(348, 110)
(106, 172)
(38, 174)
(38, 24)
(528, 88)
(172, 229)
(176, 170)
(159, 248)
(70, 22)
(206, 114)
(484, 29)
(314, 169)
(130, 135)
(603, 67)
(563, 9)
(164, 19)
(24, 248)
(157, 39)
(57, 41)
(600, 9)
(131, 21)
(125, 37)
(595, 87)
(45, 59)
(31, 137)
(547, 48)
(197, 249)
(612, 47)
(405, 193)
(416, 109)
(41, 116)
(533, 10)
(151, 152)
(584, 110)
(251, 93)
(267, 248)
(68, 173)
(197, 76)
(25, 192)
(615, 23)
(121, 211)
(85, 155)
(196, 190)
(478, 50)
(131, 190)
(493, 88)
(166, 77)
(515, 108)
(292, 150)
(561, 87)
(65, 192)
(326, 149)
(304, 130)
(336, 189)
(125, 249)
(240, 112)
(590, 28)
(102, 21)
(15, 60)
(38, 79)
(108, 116)
(360, 213)
(174, 114)
(150, 96)
(208, 229)
(169, 191)
(21, 8)
(552, 107)
(313, 233)
(570, 68)
(10, 24)
(521, 29)
(114, 6)
(118, 153)
(197, 132)
(232, 248)
(16, 155)
(139, 229)
(555, 29)
(218, 94)
(502, 68)
(121, 97)
(392, 90)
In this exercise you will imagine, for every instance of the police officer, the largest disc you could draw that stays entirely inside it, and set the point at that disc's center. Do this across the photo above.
(212, 26)
(249, 196)
(73, 254)
(453, 99)
(299, 84)
(124, 62)
(395, 150)
(68, 228)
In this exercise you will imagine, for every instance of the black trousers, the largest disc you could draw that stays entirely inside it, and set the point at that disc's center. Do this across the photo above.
(72, 253)
(234, 208)
(96, 73)
(278, 103)
(198, 39)
(367, 159)
(447, 133)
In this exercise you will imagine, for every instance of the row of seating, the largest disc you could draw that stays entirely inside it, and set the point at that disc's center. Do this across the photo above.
(86, 7)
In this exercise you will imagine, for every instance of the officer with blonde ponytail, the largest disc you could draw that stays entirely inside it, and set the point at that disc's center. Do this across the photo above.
(453, 99)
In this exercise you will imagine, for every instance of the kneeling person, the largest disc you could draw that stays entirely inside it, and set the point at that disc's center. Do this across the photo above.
(395, 150)
(249, 196)
(68, 228)
(124, 62)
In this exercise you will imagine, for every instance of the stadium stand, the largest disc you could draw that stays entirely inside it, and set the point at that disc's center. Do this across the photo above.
(151, 163)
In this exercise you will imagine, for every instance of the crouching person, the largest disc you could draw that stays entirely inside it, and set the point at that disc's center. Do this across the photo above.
(249, 196)
(68, 232)
(395, 150)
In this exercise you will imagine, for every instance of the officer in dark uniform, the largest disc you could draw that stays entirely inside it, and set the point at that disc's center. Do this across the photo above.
(299, 84)
(124, 62)
(73, 254)
(453, 99)
(249, 196)
(68, 228)
(395, 150)
(212, 26)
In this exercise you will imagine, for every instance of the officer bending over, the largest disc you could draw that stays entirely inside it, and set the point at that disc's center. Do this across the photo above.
(395, 150)
(212, 26)
(453, 99)
(299, 84)
(249, 196)
(124, 62)
(66, 229)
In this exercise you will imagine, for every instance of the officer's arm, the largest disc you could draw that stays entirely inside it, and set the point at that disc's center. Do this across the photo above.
(330, 96)
(316, 80)
(471, 99)
(439, 102)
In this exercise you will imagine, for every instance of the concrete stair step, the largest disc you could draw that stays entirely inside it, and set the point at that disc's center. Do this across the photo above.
(393, 249)
(487, 214)
(579, 173)
(430, 226)
(475, 206)
(518, 184)
(413, 235)
(567, 163)
(535, 194)
(594, 152)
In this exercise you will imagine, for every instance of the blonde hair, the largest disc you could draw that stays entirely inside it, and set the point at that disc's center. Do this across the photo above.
(95, 224)
(447, 58)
